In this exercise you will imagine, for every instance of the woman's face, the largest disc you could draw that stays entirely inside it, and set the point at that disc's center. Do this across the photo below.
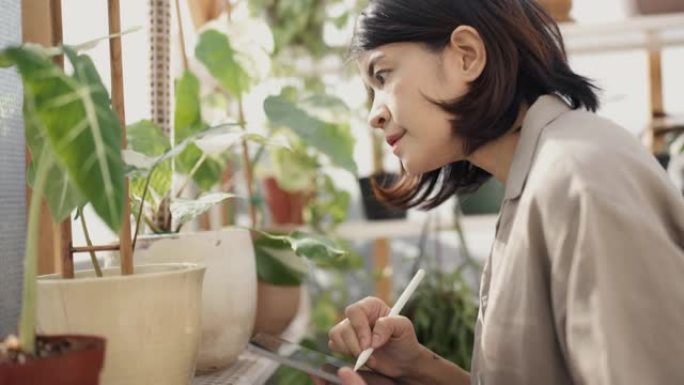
(402, 78)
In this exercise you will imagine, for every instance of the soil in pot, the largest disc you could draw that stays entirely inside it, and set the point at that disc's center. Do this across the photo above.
(59, 360)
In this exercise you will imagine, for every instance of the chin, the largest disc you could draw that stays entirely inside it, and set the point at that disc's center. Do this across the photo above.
(417, 169)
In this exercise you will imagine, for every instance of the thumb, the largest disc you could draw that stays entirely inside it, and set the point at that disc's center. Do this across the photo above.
(388, 327)
(350, 377)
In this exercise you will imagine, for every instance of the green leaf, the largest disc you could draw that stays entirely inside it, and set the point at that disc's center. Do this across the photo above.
(188, 113)
(330, 139)
(270, 269)
(215, 52)
(147, 138)
(187, 123)
(184, 210)
(209, 172)
(75, 114)
(310, 246)
(60, 193)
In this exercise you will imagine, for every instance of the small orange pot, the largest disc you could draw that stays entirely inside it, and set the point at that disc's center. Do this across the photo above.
(81, 364)
(276, 307)
(558, 9)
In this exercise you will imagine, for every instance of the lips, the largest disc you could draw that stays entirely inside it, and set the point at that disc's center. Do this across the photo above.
(392, 139)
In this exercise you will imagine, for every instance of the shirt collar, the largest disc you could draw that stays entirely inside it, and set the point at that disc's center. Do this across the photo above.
(542, 112)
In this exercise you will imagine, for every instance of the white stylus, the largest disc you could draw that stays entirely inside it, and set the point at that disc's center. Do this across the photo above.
(403, 298)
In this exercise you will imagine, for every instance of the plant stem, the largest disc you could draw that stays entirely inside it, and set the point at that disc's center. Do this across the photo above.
(248, 166)
(181, 37)
(89, 242)
(142, 206)
(150, 223)
(27, 326)
(192, 173)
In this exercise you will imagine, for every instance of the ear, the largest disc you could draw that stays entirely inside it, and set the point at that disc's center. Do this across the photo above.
(469, 52)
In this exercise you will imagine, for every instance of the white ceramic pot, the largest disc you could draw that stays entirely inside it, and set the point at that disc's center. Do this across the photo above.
(229, 291)
(151, 320)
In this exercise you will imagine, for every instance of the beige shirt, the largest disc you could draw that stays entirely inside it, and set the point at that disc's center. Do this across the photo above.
(585, 282)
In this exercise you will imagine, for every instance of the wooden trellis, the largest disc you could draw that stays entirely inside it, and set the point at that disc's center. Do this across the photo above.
(125, 242)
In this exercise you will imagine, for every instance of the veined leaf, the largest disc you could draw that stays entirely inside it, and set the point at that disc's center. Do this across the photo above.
(216, 144)
(215, 52)
(330, 139)
(184, 210)
(310, 246)
(147, 138)
(61, 195)
(76, 116)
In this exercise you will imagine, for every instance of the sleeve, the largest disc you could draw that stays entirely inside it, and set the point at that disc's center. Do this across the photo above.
(617, 288)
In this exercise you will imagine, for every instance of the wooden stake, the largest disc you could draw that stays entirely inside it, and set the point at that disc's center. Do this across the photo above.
(655, 143)
(116, 65)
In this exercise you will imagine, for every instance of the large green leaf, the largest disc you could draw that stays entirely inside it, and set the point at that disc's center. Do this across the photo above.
(215, 52)
(330, 139)
(75, 114)
(60, 193)
(184, 210)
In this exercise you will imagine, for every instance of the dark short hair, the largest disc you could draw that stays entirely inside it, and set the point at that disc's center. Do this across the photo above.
(525, 59)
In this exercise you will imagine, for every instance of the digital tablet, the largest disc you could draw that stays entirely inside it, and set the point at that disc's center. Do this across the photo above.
(298, 357)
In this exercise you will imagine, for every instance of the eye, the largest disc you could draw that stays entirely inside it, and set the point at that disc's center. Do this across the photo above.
(381, 76)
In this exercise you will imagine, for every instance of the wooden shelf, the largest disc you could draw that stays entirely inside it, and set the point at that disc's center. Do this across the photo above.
(652, 32)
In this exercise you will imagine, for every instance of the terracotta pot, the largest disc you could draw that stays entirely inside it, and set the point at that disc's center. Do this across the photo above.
(229, 290)
(558, 9)
(285, 207)
(151, 319)
(79, 365)
(276, 307)
(649, 7)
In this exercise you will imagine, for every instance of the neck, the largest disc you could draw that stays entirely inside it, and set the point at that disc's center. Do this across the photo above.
(496, 156)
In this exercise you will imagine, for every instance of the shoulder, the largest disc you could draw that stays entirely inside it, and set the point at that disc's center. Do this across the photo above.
(581, 152)
(583, 157)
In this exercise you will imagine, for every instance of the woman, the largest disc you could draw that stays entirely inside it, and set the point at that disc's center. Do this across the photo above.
(583, 284)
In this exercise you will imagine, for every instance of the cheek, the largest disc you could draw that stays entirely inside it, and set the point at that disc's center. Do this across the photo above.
(420, 154)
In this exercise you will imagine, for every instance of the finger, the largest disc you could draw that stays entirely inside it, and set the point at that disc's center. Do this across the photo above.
(351, 341)
(388, 327)
(336, 342)
(362, 316)
(358, 318)
(349, 377)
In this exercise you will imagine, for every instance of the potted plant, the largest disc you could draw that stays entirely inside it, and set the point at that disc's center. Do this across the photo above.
(229, 291)
(75, 141)
(444, 308)
(231, 63)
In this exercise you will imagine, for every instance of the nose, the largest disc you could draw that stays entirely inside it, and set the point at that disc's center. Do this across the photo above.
(379, 115)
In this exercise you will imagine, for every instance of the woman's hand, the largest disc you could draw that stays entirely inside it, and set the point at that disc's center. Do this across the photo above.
(393, 339)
